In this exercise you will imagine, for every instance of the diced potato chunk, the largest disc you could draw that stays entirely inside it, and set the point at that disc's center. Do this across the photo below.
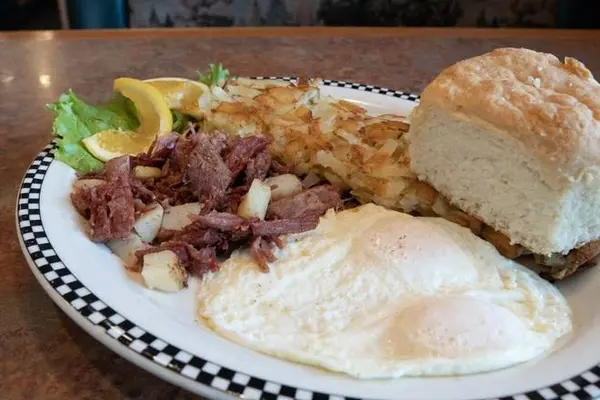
(83, 184)
(256, 201)
(125, 249)
(283, 186)
(143, 172)
(163, 271)
(148, 224)
(178, 217)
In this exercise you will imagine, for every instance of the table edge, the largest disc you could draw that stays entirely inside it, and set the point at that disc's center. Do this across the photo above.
(152, 33)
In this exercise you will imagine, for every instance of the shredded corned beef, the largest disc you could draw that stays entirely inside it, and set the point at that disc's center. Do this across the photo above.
(312, 202)
(261, 253)
(141, 192)
(163, 146)
(277, 241)
(81, 201)
(206, 171)
(282, 226)
(194, 234)
(214, 170)
(109, 207)
(258, 167)
(195, 261)
(145, 160)
(241, 151)
(118, 170)
(280, 169)
(181, 152)
(222, 221)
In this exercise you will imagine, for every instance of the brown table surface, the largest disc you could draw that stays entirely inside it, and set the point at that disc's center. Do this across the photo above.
(42, 353)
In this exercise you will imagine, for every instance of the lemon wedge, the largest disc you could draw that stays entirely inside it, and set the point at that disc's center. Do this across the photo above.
(153, 113)
(181, 94)
(106, 145)
(152, 109)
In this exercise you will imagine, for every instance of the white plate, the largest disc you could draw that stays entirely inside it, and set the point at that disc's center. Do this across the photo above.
(158, 332)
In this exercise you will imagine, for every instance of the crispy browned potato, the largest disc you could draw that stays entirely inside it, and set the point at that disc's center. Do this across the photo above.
(336, 139)
(565, 266)
(425, 193)
(468, 221)
(501, 243)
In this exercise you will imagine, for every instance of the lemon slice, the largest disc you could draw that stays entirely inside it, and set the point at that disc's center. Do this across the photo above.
(152, 109)
(109, 144)
(155, 120)
(181, 94)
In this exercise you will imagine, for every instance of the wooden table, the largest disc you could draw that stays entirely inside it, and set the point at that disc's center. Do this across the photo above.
(42, 353)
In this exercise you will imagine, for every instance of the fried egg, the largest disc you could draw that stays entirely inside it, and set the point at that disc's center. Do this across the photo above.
(375, 293)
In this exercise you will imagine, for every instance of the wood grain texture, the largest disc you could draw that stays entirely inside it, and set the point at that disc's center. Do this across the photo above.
(45, 355)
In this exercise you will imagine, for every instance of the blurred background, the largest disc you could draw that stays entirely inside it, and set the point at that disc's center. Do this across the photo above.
(89, 14)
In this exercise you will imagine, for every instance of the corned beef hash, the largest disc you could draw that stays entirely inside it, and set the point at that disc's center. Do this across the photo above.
(174, 173)
(192, 197)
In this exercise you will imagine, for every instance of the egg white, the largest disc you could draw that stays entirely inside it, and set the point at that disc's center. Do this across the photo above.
(375, 293)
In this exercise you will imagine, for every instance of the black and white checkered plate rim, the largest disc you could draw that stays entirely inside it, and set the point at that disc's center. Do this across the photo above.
(94, 312)
(352, 85)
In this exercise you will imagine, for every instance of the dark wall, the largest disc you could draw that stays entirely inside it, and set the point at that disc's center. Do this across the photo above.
(29, 14)
(579, 14)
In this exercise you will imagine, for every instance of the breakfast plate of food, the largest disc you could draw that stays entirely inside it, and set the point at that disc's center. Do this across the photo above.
(302, 238)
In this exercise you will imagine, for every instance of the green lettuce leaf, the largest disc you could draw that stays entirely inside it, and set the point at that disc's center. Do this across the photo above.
(180, 121)
(75, 120)
(217, 75)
